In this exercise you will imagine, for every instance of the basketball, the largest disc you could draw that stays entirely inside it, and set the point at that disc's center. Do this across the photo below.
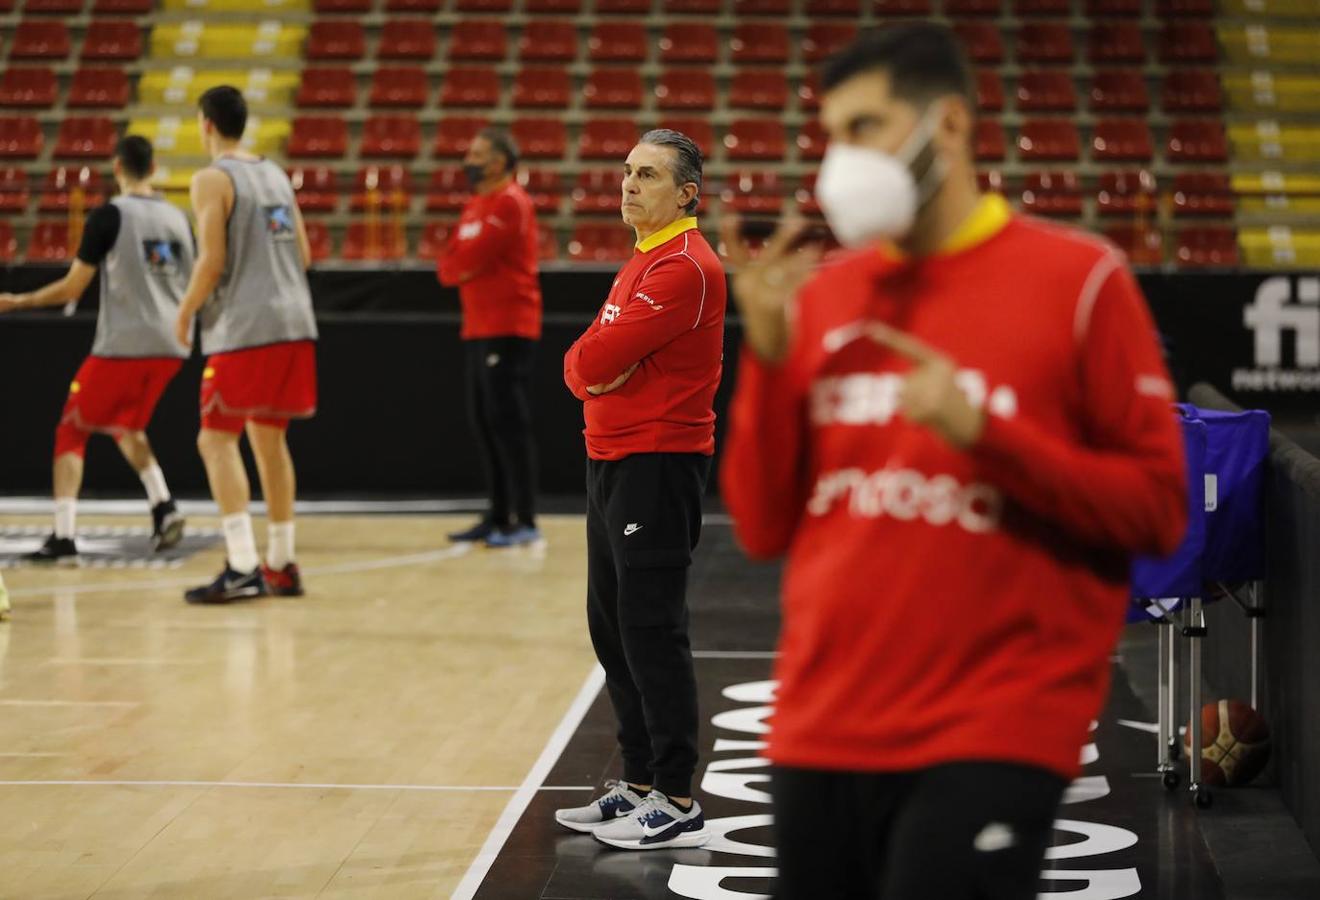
(1235, 743)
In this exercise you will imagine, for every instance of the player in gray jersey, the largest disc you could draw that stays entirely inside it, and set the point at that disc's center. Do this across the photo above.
(144, 249)
(249, 290)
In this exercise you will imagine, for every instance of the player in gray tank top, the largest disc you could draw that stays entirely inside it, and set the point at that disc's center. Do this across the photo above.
(249, 291)
(143, 247)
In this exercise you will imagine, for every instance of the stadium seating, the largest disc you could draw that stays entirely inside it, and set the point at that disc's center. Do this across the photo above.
(540, 138)
(607, 138)
(749, 139)
(390, 136)
(328, 87)
(1205, 194)
(1126, 193)
(753, 193)
(617, 42)
(318, 136)
(1203, 247)
(1046, 90)
(613, 88)
(39, 39)
(99, 88)
(28, 88)
(1053, 194)
(8, 242)
(1197, 141)
(758, 89)
(408, 39)
(546, 87)
(14, 193)
(686, 89)
(476, 86)
(543, 187)
(88, 137)
(601, 243)
(698, 129)
(759, 43)
(315, 188)
(399, 86)
(477, 41)
(1122, 140)
(379, 240)
(49, 241)
(1192, 91)
(689, 42)
(454, 133)
(544, 41)
(389, 187)
(597, 192)
(336, 41)
(60, 183)
(1119, 90)
(1143, 245)
(1048, 139)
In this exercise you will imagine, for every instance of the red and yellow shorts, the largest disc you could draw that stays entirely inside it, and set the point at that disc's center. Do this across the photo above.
(112, 396)
(269, 385)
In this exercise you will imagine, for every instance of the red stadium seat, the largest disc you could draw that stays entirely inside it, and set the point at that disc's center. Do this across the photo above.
(60, 183)
(607, 139)
(413, 7)
(1115, 42)
(318, 235)
(849, 8)
(755, 139)
(540, 138)
(811, 140)
(1126, 193)
(390, 136)
(989, 144)
(1027, 9)
(316, 136)
(20, 137)
(336, 40)
(99, 88)
(342, 7)
(334, 88)
(1113, 8)
(107, 40)
(433, 240)
(1143, 246)
(448, 190)
(1192, 90)
(1203, 194)
(623, 7)
(1188, 42)
(689, 42)
(759, 42)
(823, 40)
(455, 133)
(86, 137)
(989, 91)
(601, 243)
(484, 6)
(1122, 139)
(544, 41)
(315, 188)
(122, 7)
(1197, 140)
(407, 39)
(1049, 139)
(399, 86)
(1052, 194)
(598, 192)
(613, 88)
(686, 88)
(392, 184)
(892, 8)
(617, 42)
(470, 86)
(1169, 9)
(14, 193)
(992, 182)
(982, 42)
(53, 7)
(805, 196)
(553, 7)
(1207, 247)
(370, 241)
(49, 242)
(31, 88)
(545, 87)
(478, 41)
(758, 89)
(8, 243)
(34, 39)
(691, 7)
(697, 128)
(547, 245)
(753, 193)
(959, 8)
(1044, 42)
(1119, 90)
(809, 92)
(744, 8)
(543, 187)
(1046, 90)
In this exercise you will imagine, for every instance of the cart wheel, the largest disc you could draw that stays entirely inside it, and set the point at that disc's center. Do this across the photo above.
(1203, 798)
(1171, 780)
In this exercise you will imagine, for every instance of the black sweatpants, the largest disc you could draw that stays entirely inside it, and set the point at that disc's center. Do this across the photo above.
(961, 831)
(498, 373)
(643, 522)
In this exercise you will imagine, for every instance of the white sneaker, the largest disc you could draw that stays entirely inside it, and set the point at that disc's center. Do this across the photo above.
(656, 824)
(620, 801)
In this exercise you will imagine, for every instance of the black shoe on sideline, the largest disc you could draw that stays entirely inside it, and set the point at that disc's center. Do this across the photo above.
(167, 524)
(229, 586)
(478, 532)
(56, 551)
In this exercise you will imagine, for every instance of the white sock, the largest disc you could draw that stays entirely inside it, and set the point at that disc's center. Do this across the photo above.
(240, 542)
(279, 548)
(153, 479)
(66, 516)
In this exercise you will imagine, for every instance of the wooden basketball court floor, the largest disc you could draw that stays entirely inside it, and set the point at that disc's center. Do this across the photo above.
(361, 741)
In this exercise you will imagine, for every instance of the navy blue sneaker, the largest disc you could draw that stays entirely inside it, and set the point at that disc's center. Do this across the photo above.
(514, 537)
(229, 586)
(656, 824)
(619, 802)
(478, 532)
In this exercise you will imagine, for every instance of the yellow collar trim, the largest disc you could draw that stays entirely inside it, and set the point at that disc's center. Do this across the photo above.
(986, 220)
(666, 234)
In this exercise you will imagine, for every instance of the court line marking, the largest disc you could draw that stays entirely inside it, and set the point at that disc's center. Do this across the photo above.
(434, 788)
(17, 506)
(517, 805)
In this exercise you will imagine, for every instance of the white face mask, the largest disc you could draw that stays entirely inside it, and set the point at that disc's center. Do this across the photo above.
(869, 196)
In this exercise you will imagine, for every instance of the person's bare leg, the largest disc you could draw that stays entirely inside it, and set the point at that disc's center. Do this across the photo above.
(232, 492)
(279, 486)
(136, 449)
(67, 477)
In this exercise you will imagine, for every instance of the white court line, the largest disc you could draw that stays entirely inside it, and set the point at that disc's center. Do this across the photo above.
(16, 506)
(476, 873)
(434, 788)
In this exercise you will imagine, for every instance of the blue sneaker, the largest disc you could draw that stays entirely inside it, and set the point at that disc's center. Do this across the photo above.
(656, 824)
(619, 802)
(515, 537)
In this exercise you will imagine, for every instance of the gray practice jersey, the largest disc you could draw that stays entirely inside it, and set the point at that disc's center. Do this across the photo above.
(262, 297)
(143, 277)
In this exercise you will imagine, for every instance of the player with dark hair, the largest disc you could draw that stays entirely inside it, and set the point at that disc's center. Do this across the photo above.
(143, 247)
(259, 333)
(959, 435)
(491, 257)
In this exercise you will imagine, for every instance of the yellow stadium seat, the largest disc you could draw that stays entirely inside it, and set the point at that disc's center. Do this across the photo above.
(174, 183)
(1280, 246)
(1268, 140)
(196, 39)
(1277, 43)
(252, 6)
(178, 136)
(184, 85)
(1274, 9)
(1266, 91)
(1278, 192)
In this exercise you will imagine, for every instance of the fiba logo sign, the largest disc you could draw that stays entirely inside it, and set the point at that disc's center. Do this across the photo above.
(1275, 312)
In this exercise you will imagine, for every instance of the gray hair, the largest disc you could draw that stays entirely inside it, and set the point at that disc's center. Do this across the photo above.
(503, 144)
(687, 158)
